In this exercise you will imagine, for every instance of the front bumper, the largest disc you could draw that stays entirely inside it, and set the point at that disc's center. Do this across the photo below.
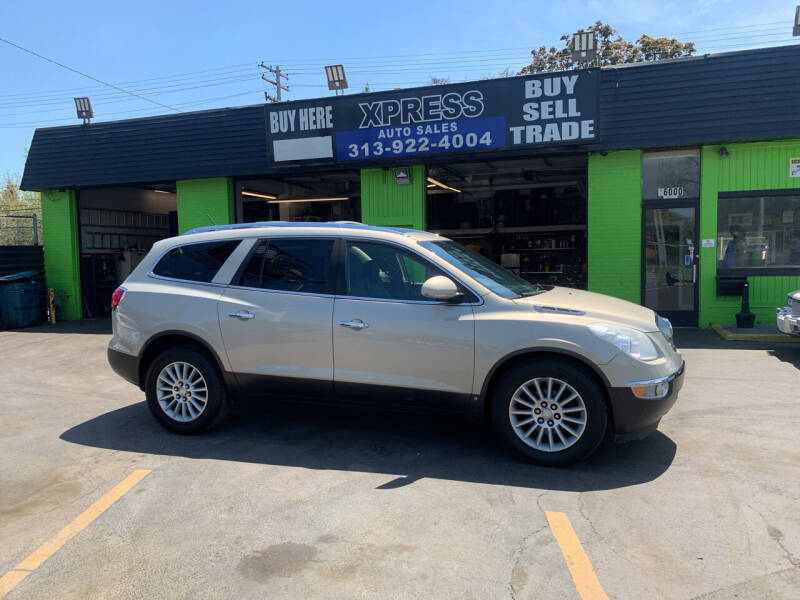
(635, 418)
(787, 322)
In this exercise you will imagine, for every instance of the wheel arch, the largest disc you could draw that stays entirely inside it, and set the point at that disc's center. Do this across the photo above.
(513, 359)
(169, 339)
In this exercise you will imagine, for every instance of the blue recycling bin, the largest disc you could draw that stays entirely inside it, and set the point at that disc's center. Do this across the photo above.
(20, 300)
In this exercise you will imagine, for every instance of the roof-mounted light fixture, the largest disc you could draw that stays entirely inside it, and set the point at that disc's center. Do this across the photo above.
(584, 47)
(336, 78)
(84, 108)
(796, 28)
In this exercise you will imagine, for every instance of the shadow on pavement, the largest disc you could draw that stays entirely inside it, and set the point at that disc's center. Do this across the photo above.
(410, 447)
(693, 338)
(87, 326)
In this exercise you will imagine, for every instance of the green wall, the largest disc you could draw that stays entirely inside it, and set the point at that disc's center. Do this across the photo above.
(752, 166)
(61, 251)
(384, 203)
(199, 199)
(615, 224)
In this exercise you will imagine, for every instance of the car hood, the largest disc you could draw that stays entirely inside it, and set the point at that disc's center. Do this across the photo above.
(603, 308)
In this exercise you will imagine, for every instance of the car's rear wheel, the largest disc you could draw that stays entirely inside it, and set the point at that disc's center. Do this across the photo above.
(185, 392)
(551, 412)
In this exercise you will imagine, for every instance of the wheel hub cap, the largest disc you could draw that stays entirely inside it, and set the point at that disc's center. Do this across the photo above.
(181, 391)
(547, 414)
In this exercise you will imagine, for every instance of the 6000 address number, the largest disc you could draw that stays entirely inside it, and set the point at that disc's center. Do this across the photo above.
(420, 144)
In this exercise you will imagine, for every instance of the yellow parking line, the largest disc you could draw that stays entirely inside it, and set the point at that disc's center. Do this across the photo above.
(578, 563)
(46, 550)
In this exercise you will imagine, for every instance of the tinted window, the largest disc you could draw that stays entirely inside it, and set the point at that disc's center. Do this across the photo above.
(383, 271)
(195, 262)
(290, 265)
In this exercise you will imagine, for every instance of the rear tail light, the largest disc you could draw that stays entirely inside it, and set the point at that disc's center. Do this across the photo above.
(117, 297)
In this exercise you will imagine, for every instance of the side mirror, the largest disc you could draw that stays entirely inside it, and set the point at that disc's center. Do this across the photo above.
(440, 288)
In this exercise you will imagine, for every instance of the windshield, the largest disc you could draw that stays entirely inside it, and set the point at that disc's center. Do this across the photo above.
(501, 281)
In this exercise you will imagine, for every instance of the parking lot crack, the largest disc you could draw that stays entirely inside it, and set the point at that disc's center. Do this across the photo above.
(518, 577)
(777, 536)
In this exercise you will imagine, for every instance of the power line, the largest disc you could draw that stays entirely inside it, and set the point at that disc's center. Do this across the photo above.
(139, 87)
(113, 97)
(63, 66)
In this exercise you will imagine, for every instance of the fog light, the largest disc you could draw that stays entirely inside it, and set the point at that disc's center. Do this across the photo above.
(651, 391)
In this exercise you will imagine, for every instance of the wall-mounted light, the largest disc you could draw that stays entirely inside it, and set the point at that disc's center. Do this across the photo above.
(402, 176)
(723, 152)
(294, 200)
(435, 182)
(259, 195)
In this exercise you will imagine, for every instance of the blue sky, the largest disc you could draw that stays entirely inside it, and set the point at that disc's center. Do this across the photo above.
(199, 54)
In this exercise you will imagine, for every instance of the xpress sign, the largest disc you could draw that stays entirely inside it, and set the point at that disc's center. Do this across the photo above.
(481, 116)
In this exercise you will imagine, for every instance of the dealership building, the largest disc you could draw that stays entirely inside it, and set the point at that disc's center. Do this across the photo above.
(668, 184)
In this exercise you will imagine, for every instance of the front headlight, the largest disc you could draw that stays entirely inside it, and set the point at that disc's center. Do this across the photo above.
(665, 327)
(630, 341)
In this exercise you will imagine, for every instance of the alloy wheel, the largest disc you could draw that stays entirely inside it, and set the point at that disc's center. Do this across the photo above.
(181, 391)
(547, 414)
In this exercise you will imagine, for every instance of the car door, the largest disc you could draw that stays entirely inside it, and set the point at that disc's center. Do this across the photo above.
(392, 345)
(275, 317)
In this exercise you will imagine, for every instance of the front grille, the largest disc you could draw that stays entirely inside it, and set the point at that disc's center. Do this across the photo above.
(795, 306)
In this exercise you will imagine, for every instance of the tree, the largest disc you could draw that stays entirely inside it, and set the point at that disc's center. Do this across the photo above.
(507, 72)
(366, 88)
(612, 49)
(17, 203)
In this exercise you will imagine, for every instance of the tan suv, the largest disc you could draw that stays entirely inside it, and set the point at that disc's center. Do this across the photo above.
(385, 317)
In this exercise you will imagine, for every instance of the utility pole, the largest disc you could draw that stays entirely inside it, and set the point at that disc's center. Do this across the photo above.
(277, 83)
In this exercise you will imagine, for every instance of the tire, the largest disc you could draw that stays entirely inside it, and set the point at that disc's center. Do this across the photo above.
(189, 410)
(511, 413)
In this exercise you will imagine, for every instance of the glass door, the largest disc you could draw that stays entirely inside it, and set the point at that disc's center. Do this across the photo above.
(670, 262)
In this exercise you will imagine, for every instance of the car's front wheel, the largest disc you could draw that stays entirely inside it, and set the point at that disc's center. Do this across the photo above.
(550, 411)
(184, 391)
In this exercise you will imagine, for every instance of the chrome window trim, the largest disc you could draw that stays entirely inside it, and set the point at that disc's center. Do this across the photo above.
(422, 257)
(211, 283)
(429, 302)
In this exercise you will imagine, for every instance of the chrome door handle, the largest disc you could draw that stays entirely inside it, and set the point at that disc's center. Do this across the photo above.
(242, 314)
(354, 324)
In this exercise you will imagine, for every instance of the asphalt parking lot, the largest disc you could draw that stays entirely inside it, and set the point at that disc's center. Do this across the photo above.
(289, 502)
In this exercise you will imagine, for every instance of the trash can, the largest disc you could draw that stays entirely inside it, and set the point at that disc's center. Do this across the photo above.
(19, 300)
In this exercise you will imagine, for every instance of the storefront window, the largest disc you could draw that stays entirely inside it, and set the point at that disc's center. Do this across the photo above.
(759, 231)
(670, 175)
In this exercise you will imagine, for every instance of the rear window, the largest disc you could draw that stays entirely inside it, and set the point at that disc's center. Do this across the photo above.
(195, 262)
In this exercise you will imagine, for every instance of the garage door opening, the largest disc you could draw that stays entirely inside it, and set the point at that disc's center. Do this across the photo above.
(333, 196)
(113, 240)
(528, 215)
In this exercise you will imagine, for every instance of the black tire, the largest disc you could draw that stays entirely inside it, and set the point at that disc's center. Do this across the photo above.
(217, 405)
(593, 397)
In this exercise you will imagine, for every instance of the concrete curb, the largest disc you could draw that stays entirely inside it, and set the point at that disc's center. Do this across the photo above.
(729, 336)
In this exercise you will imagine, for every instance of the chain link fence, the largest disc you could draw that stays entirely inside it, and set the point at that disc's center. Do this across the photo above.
(20, 230)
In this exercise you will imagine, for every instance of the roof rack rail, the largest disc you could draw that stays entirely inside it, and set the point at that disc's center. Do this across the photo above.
(306, 224)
